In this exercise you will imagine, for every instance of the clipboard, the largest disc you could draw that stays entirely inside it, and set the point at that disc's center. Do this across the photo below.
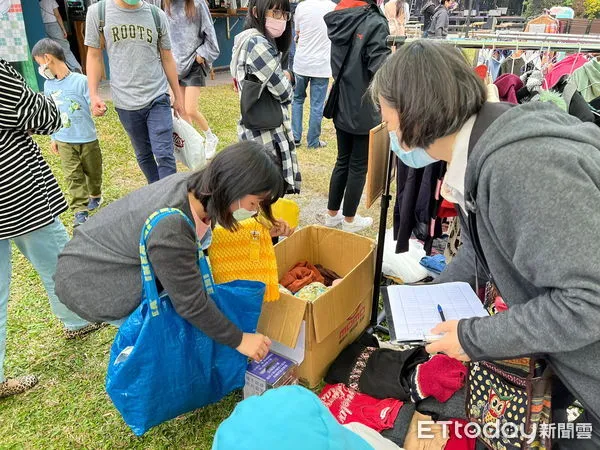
(416, 312)
(379, 153)
(390, 321)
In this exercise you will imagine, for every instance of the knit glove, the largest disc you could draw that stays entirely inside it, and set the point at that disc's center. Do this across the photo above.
(534, 82)
(440, 377)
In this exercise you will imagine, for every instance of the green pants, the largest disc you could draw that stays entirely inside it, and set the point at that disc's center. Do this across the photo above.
(82, 167)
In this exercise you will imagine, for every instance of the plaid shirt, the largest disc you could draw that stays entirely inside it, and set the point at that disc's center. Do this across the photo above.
(261, 59)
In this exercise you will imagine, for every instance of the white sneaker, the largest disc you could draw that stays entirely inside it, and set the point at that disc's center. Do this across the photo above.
(211, 147)
(359, 223)
(334, 221)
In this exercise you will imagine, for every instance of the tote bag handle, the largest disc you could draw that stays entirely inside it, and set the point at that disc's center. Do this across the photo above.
(149, 290)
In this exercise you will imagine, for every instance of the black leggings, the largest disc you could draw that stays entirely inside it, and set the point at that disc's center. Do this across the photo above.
(349, 173)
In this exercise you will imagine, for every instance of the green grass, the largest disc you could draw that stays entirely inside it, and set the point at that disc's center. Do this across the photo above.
(70, 408)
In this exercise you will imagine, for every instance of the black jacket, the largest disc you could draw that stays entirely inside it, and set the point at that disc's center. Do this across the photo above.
(365, 37)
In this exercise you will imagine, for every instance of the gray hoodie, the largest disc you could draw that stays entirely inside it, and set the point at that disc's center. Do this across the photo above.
(537, 172)
(440, 23)
(191, 37)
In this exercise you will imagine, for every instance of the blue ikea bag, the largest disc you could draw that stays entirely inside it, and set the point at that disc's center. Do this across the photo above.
(161, 366)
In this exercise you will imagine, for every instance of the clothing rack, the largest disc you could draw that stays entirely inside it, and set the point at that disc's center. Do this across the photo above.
(378, 317)
(478, 44)
(521, 36)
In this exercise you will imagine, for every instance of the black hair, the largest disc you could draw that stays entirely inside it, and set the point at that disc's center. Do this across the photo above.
(47, 46)
(262, 6)
(245, 168)
(433, 89)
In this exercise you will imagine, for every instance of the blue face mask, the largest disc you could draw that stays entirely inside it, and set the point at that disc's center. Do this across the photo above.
(416, 158)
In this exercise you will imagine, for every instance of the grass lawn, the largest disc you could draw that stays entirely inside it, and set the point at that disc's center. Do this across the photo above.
(69, 408)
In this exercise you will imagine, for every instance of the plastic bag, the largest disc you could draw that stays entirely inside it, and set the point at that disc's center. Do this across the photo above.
(405, 266)
(188, 145)
(161, 366)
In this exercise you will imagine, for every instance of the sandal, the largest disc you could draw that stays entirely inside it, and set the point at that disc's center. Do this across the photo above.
(14, 386)
(81, 332)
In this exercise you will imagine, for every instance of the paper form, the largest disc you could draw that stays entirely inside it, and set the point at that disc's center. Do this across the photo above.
(414, 308)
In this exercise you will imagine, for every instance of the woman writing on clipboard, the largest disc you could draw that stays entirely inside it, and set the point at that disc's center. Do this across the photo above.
(524, 179)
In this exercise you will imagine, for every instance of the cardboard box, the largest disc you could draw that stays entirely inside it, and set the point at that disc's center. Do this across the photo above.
(272, 372)
(336, 318)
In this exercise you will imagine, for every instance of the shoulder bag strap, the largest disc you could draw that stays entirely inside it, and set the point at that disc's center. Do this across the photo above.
(149, 289)
(101, 22)
(488, 114)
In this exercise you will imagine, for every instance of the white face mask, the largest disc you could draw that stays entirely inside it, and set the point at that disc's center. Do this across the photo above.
(45, 72)
(242, 213)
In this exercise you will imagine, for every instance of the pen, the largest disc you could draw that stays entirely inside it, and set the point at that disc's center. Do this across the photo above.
(441, 311)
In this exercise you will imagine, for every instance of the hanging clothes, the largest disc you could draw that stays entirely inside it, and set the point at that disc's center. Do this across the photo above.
(416, 204)
(532, 85)
(454, 241)
(495, 63)
(542, 24)
(508, 85)
(565, 67)
(587, 79)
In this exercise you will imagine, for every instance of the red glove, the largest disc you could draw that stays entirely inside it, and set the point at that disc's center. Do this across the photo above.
(440, 377)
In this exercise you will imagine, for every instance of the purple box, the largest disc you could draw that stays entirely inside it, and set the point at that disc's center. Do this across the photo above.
(273, 371)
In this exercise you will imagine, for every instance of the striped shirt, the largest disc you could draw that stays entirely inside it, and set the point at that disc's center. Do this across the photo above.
(29, 194)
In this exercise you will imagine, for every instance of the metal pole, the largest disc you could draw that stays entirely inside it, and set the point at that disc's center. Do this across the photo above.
(385, 204)
(468, 21)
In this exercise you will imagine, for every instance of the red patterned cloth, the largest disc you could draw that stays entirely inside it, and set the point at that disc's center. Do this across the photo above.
(349, 406)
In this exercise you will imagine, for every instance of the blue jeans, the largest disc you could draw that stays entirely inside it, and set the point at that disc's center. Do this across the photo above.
(318, 93)
(41, 247)
(150, 130)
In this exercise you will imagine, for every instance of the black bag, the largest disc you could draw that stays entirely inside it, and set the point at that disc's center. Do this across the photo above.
(260, 110)
(333, 98)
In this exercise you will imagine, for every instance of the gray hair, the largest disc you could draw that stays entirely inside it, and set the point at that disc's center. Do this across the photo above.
(47, 46)
(433, 89)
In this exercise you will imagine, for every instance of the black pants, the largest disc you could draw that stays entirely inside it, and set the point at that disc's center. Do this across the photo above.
(349, 173)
